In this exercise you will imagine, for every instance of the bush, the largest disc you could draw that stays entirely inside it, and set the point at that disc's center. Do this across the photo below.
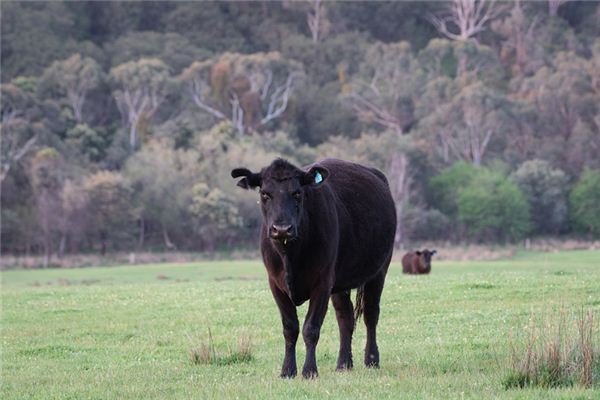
(585, 203)
(546, 192)
(420, 224)
(446, 186)
(492, 207)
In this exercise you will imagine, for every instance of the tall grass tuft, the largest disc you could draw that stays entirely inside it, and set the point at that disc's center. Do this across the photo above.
(205, 353)
(561, 355)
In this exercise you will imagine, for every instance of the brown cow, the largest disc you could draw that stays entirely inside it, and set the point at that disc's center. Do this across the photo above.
(417, 262)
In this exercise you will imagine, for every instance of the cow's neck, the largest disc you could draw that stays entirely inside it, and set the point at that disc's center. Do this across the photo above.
(296, 259)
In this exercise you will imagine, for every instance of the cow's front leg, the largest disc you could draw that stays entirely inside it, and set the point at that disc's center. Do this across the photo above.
(317, 309)
(289, 320)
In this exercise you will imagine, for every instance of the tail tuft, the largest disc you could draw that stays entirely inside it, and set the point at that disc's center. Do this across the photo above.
(359, 305)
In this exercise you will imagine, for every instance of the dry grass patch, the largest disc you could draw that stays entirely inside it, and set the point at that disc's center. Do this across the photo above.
(205, 352)
(562, 353)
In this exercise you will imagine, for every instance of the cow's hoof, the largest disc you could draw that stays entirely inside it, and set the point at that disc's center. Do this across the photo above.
(288, 373)
(309, 373)
(372, 361)
(344, 365)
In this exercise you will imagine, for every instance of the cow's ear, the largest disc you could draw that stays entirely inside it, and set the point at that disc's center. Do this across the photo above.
(433, 252)
(418, 253)
(315, 176)
(250, 179)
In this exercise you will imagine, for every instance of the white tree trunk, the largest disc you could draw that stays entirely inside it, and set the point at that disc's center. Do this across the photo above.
(399, 182)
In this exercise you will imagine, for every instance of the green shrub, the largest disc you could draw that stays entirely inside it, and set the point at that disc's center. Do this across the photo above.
(585, 203)
(546, 191)
(446, 186)
(492, 207)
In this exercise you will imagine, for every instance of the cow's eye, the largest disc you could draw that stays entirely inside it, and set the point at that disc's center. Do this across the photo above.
(265, 196)
(297, 195)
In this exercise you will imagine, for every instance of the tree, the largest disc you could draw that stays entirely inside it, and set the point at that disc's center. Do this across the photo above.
(466, 18)
(215, 214)
(546, 192)
(584, 201)
(140, 88)
(317, 20)
(247, 90)
(74, 77)
(565, 105)
(46, 181)
(467, 123)
(447, 186)
(521, 42)
(110, 211)
(174, 49)
(162, 178)
(492, 207)
(74, 223)
(387, 86)
(92, 143)
(466, 60)
(18, 135)
(554, 5)
(316, 17)
(33, 35)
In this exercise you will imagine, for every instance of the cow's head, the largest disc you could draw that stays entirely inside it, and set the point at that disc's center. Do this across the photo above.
(425, 258)
(283, 188)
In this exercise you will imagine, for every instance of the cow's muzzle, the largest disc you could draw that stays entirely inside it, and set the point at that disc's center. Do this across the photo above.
(282, 232)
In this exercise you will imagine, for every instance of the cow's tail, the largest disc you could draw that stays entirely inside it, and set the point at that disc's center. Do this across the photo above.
(359, 304)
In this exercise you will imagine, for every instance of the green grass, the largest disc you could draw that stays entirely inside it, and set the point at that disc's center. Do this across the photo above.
(126, 332)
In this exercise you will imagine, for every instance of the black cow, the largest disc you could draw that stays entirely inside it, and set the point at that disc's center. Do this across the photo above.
(327, 228)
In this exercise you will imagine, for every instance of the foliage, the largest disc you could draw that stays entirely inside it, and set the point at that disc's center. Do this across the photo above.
(492, 207)
(584, 201)
(447, 186)
(74, 78)
(140, 88)
(162, 178)
(88, 141)
(174, 94)
(546, 192)
(216, 214)
(108, 197)
(420, 224)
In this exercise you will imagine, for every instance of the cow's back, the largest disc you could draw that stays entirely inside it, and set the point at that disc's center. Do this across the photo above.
(366, 221)
(407, 263)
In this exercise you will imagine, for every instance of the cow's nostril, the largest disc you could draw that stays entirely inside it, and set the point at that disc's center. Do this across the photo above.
(281, 229)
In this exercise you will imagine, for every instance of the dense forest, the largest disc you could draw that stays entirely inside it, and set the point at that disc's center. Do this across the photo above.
(121, 121)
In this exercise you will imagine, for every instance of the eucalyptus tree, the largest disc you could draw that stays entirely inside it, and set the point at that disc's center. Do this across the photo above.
(46, 176)
(139, 89)
(248, 90)
(385, 89)
(109, 205)
(74, 78)
(18, 135)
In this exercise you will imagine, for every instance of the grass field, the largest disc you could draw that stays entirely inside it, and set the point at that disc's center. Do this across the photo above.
(125, 332)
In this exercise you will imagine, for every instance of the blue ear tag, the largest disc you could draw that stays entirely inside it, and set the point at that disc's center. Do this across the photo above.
(318, 177)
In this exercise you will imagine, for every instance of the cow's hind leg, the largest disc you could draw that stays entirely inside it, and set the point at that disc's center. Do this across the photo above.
(345, 319)
(372, 295)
